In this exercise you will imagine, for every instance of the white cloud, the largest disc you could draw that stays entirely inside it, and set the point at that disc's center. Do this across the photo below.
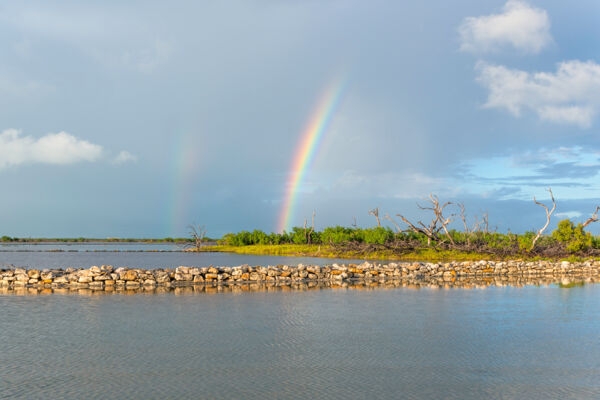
(519, 25)
(53, 148)
(570, 95)
(569, 214)
(123, 157)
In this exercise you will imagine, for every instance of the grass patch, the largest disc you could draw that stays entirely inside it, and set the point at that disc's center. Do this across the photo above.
(315, 250)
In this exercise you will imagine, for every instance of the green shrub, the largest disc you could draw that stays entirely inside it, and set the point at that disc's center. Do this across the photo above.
(378, 235)
(337, 234)
(573, 236)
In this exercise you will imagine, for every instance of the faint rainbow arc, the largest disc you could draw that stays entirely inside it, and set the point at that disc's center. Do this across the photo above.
(307, 147)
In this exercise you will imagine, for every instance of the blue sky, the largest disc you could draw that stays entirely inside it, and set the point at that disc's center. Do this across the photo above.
(137, 119)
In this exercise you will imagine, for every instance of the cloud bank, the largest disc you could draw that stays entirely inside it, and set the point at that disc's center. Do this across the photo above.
(53, 148)
(571, 95)
(519, 25)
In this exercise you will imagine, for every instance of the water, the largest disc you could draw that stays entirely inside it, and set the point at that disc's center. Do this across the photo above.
(90, 246)
(499, 342)
(137, 255)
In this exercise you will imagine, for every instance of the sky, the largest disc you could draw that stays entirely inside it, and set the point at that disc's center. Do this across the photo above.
(136, 119)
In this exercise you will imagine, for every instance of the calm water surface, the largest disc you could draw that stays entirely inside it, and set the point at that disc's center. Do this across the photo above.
(138, 255)
(499, 342)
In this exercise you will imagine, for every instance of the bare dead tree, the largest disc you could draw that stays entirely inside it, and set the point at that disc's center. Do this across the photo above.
(308, 232)
(197, 232)
(438, 211)
(548, 214)
(463, 217)
(481, 226)
(432, 230)
(476, 225)
(593, 218)
(484, 218)
(387, 216)
(375, 212)
(430, 233)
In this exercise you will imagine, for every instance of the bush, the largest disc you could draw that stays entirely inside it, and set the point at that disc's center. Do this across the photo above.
(378, 235)
(337, 234)
(573, 236)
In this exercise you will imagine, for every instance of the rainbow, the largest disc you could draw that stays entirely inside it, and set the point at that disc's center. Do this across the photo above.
(185, 156)
(307, 147)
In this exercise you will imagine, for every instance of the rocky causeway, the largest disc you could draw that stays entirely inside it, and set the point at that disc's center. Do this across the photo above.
(368, 274)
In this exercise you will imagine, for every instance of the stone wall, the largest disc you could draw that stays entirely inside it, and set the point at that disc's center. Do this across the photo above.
(107, 278)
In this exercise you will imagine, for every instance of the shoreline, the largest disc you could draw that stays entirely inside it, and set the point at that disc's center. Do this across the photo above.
(452, 274)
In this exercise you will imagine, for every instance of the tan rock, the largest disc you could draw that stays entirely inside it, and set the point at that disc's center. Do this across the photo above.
(130, 276)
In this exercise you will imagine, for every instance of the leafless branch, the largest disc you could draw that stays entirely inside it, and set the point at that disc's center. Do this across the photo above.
(484, 218)
(431, 231)
(463, 217)
(375, 212)
(548, 214)
(393, 222)
(593, 218)
(197, 233)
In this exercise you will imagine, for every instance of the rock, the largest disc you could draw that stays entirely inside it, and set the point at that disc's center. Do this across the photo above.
(413, 267)
(33, 274)
(130, 276)
(183, 277)
(61, 279)
(47, 275)
(182, 270)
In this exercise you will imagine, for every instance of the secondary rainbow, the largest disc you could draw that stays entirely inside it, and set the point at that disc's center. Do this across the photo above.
(307, 148)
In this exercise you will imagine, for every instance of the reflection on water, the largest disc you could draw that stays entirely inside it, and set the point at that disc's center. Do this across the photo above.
(565, 282)
(502, 342)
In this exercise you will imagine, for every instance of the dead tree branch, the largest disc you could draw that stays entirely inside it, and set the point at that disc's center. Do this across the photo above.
(393, 222)
(197, 233)
(438, 211)
(308, 232)
(548, 214)
(438, 222)
(375, 212)
(463, 217)
(484, 217)
(593, 218)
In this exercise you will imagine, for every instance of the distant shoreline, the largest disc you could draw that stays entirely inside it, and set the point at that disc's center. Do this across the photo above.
(14, 240)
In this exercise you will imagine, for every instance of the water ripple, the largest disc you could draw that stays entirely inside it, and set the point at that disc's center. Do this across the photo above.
(535, 343)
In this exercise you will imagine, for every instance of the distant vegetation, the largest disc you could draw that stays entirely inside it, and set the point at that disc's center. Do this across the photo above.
(433, 240)
(418, 237)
